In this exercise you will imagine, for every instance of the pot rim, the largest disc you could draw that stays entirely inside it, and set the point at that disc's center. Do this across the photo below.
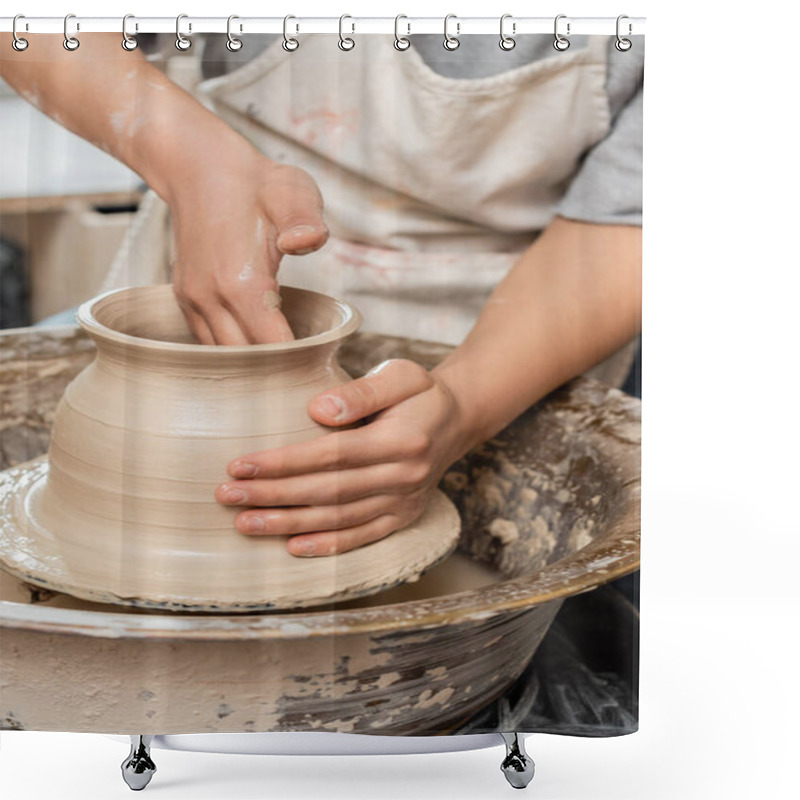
(351, 321)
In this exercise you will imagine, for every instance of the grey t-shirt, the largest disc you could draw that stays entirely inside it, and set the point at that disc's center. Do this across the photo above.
(607, 189)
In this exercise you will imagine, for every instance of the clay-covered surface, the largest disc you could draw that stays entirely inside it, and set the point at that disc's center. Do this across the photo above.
(552, 504)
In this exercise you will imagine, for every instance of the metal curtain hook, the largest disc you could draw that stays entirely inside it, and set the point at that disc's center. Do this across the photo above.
(560, 43)
(129, 43)
(233, 44)
(181, 42)
(507, 42)
(451, 42)
(290, 44)
(401, 42)
(345, 42)
(70, 42)
(19, 44)
(623, 45)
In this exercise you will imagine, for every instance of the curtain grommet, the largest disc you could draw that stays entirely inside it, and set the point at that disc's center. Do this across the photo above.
(18, 43)
(507, 42)
(182, 43)
(401, 43)
(71, 43)
(129, 42)
(451, 42)
(622, 44)
(346, 43)
(561, 43)
(233, 44)
(289, 43)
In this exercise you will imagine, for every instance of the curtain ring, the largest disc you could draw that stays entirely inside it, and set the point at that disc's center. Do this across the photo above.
(401, 42)
(507, 42)
(19, 44)
(290, 44)
(181, 42)
(71, 43)
(622, 44)
(561, 43)
(233, 44)
(451, 42)
(345, 42)
(129, 43)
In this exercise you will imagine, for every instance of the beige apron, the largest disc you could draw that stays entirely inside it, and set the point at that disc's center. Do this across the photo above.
(432, 186)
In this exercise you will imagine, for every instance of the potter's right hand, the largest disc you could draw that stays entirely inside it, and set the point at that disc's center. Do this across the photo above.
(232, 225)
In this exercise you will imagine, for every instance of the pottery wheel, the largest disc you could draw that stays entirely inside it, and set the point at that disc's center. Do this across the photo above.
(222, 572)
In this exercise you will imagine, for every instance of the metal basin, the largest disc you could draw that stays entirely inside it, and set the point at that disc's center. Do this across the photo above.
(549, 508)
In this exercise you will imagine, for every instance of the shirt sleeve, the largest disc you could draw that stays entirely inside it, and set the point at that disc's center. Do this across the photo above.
(608, 186)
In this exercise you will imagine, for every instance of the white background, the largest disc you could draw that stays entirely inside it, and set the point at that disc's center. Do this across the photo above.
(720, 621)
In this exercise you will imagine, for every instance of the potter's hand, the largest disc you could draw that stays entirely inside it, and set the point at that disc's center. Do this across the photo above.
(232, 225)
(352, 487)
(235, 212)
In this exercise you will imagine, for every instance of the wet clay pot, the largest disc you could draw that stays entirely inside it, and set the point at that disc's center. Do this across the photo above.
(123, 510)
(549, 508)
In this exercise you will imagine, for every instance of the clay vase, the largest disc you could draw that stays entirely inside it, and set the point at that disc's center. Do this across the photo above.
(142, 437)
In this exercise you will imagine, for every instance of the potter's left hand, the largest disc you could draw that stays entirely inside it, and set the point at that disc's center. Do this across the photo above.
(352, 487)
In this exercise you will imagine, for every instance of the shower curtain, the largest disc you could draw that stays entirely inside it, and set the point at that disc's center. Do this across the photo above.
(477, 199)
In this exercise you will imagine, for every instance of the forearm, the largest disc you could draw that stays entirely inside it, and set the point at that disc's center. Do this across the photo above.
(120, 102)
(572, 299)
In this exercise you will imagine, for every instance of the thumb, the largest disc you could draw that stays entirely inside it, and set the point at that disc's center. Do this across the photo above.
(294, 204)
(386, 385)
(302, 238)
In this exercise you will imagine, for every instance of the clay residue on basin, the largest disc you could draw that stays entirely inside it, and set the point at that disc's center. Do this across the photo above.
(545, 487)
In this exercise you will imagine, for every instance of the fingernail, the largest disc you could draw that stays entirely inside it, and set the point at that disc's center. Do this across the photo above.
(308, 547)
(241, 469)
(332, 406)
(253, 524)
(303, 230)
(300, 232)
(234, 495)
